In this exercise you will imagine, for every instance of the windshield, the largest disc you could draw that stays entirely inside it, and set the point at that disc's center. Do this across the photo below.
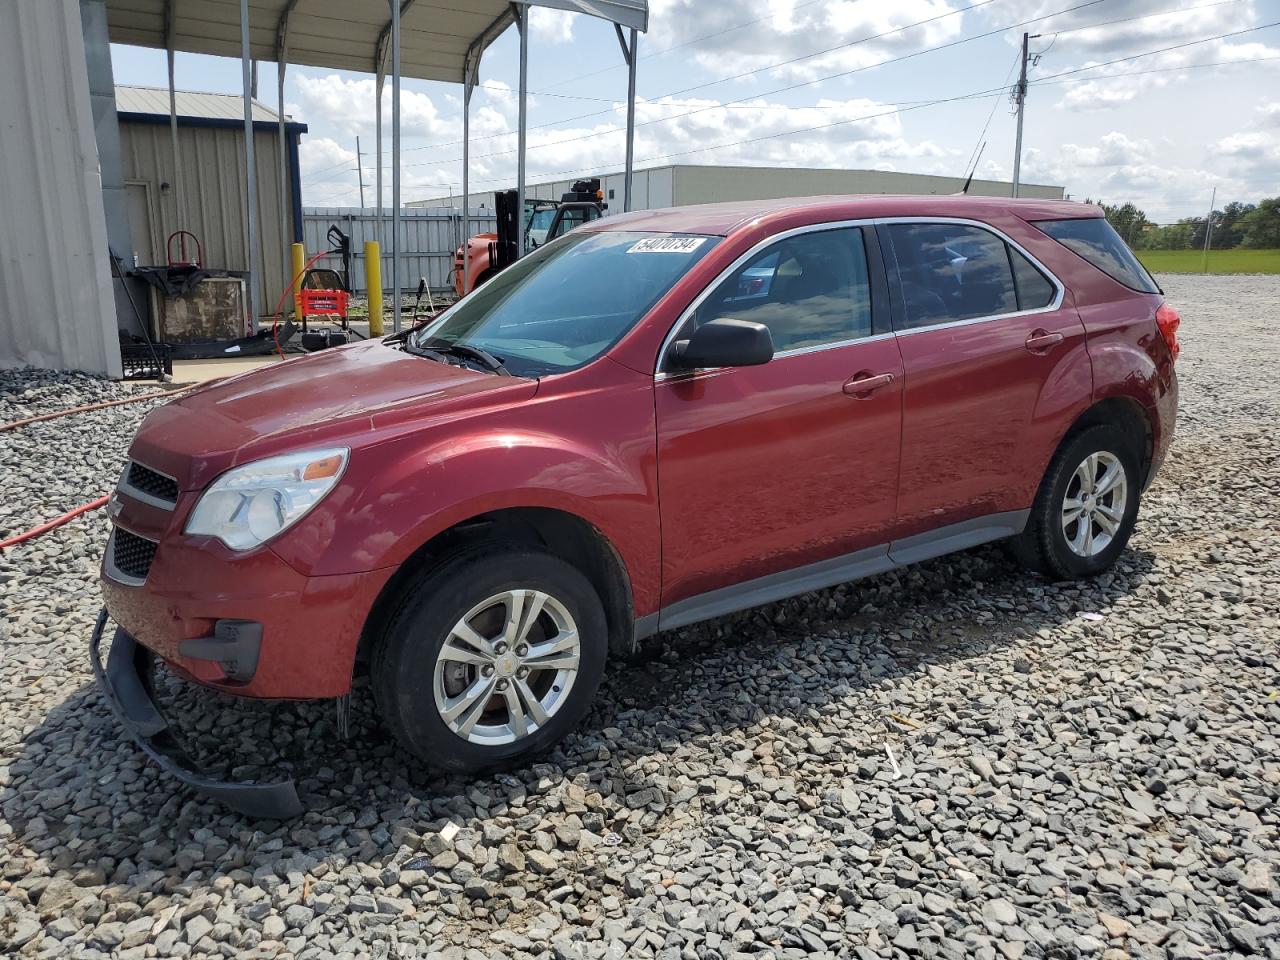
(539, 222)
(541, 219)
(562, 306)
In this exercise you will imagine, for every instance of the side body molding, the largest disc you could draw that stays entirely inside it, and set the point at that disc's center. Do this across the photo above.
(828, 573)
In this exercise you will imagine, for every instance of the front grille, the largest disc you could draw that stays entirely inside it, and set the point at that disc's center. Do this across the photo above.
(131, 554)
(152, 483)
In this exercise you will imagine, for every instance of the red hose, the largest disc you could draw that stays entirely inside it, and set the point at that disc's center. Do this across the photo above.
(13, 425)
(56, 522)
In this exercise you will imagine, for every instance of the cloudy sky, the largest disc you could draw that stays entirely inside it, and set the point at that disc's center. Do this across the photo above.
(1130, 99)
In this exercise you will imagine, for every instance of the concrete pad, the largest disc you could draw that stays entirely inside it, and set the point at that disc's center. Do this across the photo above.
(199, 371)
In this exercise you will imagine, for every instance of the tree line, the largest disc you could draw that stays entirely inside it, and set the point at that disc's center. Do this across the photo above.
(1246, 225)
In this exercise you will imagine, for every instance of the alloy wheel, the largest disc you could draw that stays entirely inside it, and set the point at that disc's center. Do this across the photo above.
(506, 667)
(1094, 504)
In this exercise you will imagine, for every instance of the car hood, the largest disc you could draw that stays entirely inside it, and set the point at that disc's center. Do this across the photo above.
(326, 397)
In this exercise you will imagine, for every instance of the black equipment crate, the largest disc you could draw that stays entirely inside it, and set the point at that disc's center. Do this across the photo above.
(139, 360)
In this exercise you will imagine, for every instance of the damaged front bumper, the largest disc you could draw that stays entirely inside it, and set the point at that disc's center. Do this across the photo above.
(125, 681)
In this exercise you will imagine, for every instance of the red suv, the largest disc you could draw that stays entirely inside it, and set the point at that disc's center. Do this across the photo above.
(659, 418)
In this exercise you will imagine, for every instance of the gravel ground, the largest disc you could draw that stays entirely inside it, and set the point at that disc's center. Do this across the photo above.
(957, 760)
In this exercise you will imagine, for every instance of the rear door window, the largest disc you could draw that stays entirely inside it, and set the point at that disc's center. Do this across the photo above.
(1033, 287)
(1096, 241)
(950, 272)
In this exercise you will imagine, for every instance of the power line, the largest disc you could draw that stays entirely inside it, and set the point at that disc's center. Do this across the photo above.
(504, 89)
(675, 46)
(786, 89)
(678, 116)
(1151, 53)
(994, 92)
(1043, 80)
(823, 52)
(977, 146)
(742, 102)
(1143, 73)
(773, 66)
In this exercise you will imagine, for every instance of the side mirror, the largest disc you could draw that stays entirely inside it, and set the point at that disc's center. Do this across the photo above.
(723, 343)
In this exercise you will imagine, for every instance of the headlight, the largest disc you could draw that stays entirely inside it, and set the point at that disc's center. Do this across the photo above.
(249, 505)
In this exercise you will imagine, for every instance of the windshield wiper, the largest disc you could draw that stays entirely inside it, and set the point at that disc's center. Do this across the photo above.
(467, 350)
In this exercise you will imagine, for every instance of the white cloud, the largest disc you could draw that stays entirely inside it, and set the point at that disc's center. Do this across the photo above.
(1119, 168)
(1067, 48)
(551, 26)
(858, 133)
(349, 107)
(1252, 156)
(787, 29)
(318, 154)
(1151, 25)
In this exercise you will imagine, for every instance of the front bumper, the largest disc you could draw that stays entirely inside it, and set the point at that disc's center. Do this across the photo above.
(125, 682)
(307, 628)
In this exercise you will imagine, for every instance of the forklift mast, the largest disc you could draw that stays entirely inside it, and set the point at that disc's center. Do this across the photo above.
(506, 249)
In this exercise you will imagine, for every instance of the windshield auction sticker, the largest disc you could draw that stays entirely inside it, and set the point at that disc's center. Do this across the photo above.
(667, 245)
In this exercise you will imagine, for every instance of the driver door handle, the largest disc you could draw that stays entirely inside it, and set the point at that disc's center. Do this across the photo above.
(864, 384)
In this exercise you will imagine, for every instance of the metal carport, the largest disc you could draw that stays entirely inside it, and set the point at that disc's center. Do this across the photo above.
(422, 39)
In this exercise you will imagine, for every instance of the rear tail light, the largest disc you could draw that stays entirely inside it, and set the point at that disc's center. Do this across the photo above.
(1168, 321)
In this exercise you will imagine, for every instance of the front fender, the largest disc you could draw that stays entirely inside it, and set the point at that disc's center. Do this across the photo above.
(410, 488)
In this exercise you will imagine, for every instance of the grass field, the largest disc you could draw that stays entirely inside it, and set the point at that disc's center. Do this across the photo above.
(1220, 261)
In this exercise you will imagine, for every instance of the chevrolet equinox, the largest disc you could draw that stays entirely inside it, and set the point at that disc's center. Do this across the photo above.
(659, 418)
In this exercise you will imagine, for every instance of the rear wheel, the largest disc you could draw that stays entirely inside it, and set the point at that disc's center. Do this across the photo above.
(1086, 507)
(491, 658)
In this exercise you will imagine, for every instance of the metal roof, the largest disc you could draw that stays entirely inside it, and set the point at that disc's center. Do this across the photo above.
(205, 106)
(435, 35)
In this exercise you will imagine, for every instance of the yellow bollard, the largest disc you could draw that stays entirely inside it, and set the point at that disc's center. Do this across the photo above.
(299, 262)
(373, 281)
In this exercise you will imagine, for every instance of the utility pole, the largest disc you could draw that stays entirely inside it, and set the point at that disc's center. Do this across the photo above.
(1020, 98)
(1208, 232)
(360, 171)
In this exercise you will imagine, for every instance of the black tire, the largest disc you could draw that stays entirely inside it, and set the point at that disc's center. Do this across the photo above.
(404, 659)
(1043, 546)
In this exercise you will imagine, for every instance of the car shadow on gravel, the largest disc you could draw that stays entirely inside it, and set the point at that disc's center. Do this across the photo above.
(86, 799)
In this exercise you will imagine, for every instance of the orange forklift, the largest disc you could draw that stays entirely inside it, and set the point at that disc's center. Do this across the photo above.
(543, 221)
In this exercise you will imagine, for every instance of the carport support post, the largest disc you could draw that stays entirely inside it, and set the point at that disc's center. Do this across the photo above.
(251, 175)
(377, 124)
(522, 22)
(466, 175)
(285, 208)
(395, 165)
(173, 117)
(629, 54)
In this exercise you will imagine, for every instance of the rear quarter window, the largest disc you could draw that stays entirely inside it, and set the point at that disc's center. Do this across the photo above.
(1096, 241)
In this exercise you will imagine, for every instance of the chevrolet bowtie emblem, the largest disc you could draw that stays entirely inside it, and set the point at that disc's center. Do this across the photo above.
(114, 507)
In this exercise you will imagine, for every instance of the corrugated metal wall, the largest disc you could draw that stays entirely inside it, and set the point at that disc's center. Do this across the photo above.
(56, 307)
(213, 202)
(651, 188)
(428, 239)
(699, 184)
(682, 184)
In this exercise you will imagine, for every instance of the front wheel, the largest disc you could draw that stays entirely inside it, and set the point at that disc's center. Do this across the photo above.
(492, 657)
(1086, 507)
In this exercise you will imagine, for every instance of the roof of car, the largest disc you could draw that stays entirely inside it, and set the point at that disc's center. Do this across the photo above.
(722, 219)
